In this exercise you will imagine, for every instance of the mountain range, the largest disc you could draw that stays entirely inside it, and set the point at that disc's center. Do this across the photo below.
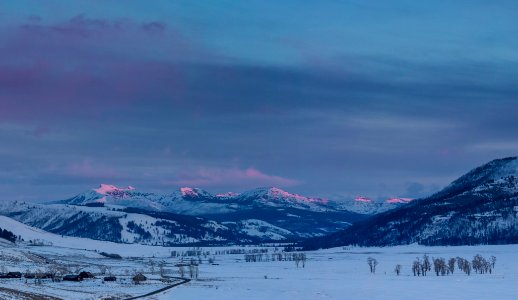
(480, 207)
(192, 216)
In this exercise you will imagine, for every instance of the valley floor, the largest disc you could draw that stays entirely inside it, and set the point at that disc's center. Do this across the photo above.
(339, 273)
(344, 274)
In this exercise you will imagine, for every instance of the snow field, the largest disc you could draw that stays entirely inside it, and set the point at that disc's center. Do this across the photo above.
(344, 274)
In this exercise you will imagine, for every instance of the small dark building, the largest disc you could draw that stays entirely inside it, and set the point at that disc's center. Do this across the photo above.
(14, 275)
(139, 278)
(2, 275)
(86, 275)
(110, 278)
(72, 278)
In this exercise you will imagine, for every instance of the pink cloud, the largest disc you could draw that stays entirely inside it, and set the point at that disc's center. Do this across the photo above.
(245, 178)
(85, 66)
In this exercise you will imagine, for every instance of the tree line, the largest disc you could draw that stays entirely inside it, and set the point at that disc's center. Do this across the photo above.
(442, 267)
(297, 257)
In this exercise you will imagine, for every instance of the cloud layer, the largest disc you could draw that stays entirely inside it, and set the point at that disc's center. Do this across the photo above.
(163, 97)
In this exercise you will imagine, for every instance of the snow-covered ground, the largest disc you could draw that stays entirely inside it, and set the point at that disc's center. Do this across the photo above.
(344, 274)
(339, 273)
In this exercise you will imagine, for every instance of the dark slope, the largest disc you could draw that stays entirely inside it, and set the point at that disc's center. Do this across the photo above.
(478, 208)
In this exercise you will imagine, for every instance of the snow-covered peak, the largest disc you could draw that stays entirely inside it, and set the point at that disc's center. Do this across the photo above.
(276, 197)
(194, 193)
(363, 199)
(105, 189)
(369, 206)
(187, 191)
(399, 200)
(279, 193)
(193, 200)
(274, 193)
(227, 195)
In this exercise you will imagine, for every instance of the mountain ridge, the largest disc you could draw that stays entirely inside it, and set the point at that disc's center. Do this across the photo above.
(186, 216)
(480, 207)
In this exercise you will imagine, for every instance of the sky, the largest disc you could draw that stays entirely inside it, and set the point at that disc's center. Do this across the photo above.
(331, 99)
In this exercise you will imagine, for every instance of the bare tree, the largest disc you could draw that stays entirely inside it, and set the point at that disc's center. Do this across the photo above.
(299, 258)
(439, 266)
(161, 266)
(416, 267)
(467, 267)
(191, 270)
(492, 259)
(38, 276)
(481, 265)
(426, 265)
(372, 262)
(397, 269)
(181, 270)
(152, 266)
(464, 265)
(451, 265)
(53, 270)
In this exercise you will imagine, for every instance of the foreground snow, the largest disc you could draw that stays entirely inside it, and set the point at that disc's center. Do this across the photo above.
(344, 274)
(340, 273)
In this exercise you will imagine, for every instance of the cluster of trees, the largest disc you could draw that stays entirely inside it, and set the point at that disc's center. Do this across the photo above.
(198, 251)
(482, 265)
(193, 271)
(421, 266)
(442, 267)
(297, 257)
(160, 266)
(195, 254)
(464, 265)
(300, 258)
(38, 242)
(192, 268)
(8, 235)
(177, 228)
(256, 257)
(243, 251)
(137, 229)
(194, 251)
